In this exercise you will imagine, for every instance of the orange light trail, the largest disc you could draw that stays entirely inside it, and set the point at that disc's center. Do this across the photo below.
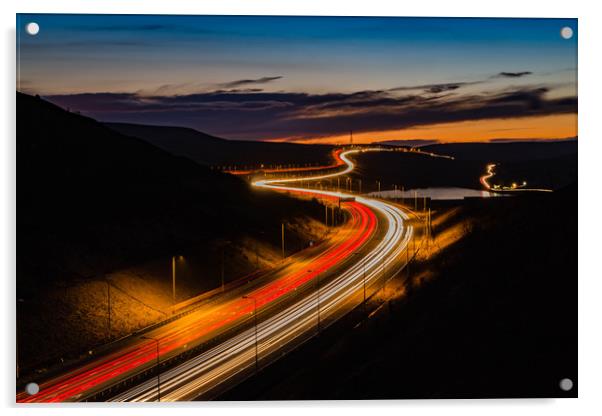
(488, 174)
(362, 225)
(206, 323)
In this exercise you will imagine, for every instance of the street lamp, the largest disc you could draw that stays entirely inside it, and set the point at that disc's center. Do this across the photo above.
(384, 278)
(282, 235)
(158, 369)
(255, 324)
(173, 280)
(173, 283)
(364, 280)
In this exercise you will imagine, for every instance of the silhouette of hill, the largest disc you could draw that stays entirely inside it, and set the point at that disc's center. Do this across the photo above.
(91, 199)
(545, 164)
(506, 151)
(209, 150)
(407, 142)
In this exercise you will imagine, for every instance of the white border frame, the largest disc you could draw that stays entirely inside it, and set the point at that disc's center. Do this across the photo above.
(590, 143)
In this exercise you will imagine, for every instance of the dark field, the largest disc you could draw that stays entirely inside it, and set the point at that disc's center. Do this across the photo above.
(230, 154)
(541, 165)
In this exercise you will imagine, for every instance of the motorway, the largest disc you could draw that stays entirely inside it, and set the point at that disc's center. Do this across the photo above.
(490, 172)
(230, 336)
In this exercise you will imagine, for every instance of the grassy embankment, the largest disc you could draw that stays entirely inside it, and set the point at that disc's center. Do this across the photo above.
(95, 204)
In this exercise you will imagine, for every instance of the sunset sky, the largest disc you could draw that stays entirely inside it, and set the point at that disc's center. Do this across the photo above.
(310, 79)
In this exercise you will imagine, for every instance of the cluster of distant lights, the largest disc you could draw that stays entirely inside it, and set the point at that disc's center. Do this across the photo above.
(509, 188)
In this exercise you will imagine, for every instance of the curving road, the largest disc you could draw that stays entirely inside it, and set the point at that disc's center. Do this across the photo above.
(490, 172)
(229, 337)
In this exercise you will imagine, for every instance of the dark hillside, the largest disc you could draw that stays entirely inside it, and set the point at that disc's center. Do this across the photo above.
(543, 164)
(209, 150)
(91, 200)
(506, 152)
(413, 170)
(551, 165)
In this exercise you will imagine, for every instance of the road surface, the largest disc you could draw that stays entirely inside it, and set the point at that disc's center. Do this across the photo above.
(490, 172)
(227, 338)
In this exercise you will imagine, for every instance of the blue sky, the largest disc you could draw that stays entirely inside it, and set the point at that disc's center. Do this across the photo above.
(182, 55)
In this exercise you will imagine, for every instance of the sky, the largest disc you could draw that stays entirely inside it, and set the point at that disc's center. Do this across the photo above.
(309, 79)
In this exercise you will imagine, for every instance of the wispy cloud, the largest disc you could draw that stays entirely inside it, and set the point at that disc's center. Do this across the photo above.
(243, 82)
(513, 74)
(189, 88)
(435, 88)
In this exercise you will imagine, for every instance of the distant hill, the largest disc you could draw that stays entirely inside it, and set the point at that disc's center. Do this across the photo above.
(506, 151)
(550, 165)
(209, 150)
(91, 199)
(407, 143)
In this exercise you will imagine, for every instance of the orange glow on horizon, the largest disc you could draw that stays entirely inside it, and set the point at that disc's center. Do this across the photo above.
(536, 127)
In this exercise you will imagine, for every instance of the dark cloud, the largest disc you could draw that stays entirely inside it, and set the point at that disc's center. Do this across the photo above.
(244, 114)
(532, 98)
(242, 82)
(435, 88)
(513, 74)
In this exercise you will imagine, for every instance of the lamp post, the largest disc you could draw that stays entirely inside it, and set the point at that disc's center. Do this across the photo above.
(384, 279)
(364, 279)
(408, 261)
(173, 283)
(255, 324)
(158, 369)
(283, 240)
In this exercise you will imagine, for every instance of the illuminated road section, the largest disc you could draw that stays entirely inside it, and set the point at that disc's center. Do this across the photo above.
(490, 172)
(293, 317)
(200, 375)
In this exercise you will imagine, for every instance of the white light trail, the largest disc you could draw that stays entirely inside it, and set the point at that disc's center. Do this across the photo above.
(203, 373)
